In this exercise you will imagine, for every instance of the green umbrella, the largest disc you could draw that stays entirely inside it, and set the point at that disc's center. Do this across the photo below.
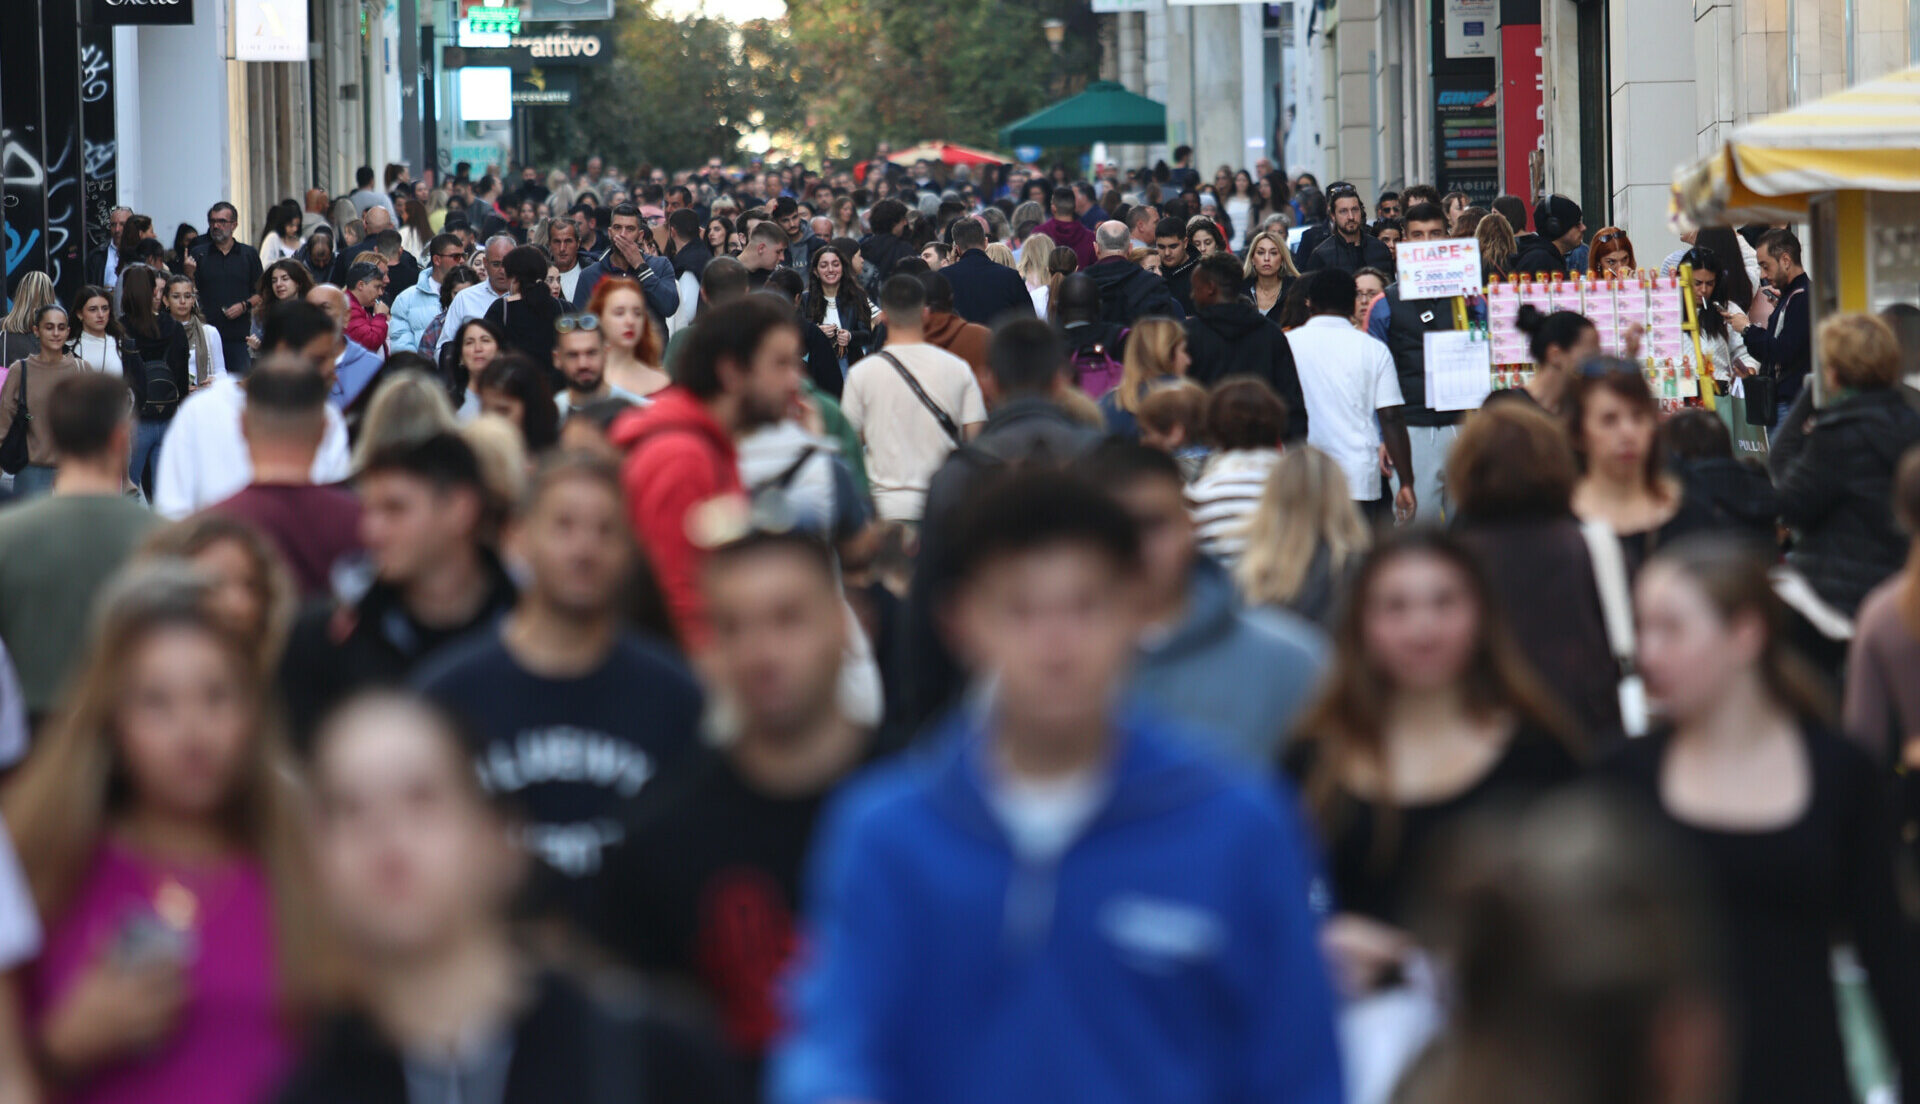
(1105, 112)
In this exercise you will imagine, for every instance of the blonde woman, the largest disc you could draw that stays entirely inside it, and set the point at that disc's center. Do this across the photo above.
(410, 406)
(1270, 272)
(1035, 268)
(1305, 538)
(17, 338)
(1156, 355)
(1000, 254)
(162, 836)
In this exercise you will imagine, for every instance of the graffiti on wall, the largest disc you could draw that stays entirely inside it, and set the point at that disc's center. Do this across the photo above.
(99, 145)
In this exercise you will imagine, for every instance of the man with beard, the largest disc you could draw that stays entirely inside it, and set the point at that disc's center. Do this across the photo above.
(580, 356)
(738, 369)
(226, 272)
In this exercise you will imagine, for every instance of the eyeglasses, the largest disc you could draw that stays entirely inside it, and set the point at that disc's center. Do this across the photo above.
(568, 323)
(453, 256)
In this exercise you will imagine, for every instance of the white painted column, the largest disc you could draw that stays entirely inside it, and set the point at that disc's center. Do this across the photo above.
(1253, 87)
(126, 121)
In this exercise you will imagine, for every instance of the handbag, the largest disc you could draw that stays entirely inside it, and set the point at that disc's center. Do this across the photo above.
(1616, 613)
(1763, 406)
(13, 448)
(947, 425)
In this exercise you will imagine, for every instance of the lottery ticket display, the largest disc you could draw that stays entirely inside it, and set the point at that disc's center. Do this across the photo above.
(1655, 304)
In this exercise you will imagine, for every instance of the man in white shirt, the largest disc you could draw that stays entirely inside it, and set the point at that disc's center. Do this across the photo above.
(473, 302)
(906, 442)
(1353, 394)
(563, 242)
(205, 458)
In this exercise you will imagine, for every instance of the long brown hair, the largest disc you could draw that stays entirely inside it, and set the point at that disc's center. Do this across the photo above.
(273, 585)
(1735, 581)
(1348, 722)
(62, 803)
(1623, 379)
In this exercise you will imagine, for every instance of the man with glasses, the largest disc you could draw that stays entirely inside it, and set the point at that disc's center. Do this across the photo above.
(226, 272)
(473, 302)
(580, 356)
(414, 309)
(1389, 206)
(1349, 247)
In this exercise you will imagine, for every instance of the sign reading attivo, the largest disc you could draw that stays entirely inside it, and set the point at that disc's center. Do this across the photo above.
(540, 51)
(146, 13)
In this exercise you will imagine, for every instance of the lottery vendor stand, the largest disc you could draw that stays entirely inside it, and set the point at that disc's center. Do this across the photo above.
(1846, 165)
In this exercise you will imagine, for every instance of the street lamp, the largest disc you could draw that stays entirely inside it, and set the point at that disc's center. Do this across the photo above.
(1056, 31)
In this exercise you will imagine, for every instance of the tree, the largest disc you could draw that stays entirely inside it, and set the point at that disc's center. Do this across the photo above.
(943, 70)
(677, 93)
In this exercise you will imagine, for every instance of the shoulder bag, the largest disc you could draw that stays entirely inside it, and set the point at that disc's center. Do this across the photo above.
(13, 448)
(1616, 612)
(947, 425)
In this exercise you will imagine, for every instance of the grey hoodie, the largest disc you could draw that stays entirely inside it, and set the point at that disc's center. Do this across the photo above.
(1240, 676)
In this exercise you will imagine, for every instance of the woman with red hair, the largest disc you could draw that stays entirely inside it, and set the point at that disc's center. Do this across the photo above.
(634, 340)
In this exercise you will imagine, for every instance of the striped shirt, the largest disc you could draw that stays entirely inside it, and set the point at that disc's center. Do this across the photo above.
(1225, 496)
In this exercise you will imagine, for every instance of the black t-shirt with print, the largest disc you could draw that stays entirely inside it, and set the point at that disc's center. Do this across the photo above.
(574, 754)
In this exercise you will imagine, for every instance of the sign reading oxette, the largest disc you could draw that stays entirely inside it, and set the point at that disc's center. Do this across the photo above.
(144, 13)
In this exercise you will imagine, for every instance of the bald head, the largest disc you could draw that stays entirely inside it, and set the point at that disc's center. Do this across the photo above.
(376, 220)
(1110, 239)
(498, 247)
(317, 201)
(332, 300)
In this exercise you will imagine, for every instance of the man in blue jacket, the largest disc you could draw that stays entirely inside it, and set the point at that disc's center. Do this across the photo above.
(630, 254)
(1065, 901)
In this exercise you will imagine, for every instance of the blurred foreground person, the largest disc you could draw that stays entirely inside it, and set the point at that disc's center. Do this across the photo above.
(1238, 677)
(706, 886)
(161, 836)
(573, 713)
(418, 868)
(1430, 714)
(1788, 821)
(1062, 902)
(1583, 967)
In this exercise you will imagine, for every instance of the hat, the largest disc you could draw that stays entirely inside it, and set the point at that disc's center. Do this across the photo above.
(1555, 215)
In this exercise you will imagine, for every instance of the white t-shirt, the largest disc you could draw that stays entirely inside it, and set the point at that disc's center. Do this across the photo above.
(204, 459)
(216, 353)
(102, 354)
(904, 442)
(1043, 818)
(570, 280)
(472, 302)
(1345, 376)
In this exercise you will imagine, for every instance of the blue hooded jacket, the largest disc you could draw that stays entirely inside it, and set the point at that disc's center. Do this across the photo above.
(1170, 956)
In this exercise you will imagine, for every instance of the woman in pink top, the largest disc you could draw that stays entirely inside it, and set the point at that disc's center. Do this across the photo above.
(161, 840)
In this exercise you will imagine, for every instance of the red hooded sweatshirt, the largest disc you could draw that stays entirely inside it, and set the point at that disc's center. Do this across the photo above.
(1070, 233)
(679, 459)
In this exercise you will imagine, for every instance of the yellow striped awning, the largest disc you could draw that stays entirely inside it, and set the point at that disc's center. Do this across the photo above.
(1866, 138)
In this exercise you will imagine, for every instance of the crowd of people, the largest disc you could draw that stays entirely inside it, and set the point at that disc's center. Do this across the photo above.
(912, 634)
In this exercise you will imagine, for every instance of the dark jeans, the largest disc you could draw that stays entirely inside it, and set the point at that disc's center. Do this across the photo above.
(239, 358)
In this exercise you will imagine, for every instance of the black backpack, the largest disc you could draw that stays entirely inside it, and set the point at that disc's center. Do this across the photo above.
(154, 389)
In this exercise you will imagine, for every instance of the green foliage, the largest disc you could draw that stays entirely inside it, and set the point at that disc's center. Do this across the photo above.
(904, 71)
(678, 92)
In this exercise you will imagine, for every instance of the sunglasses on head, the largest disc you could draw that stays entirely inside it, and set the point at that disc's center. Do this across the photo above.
(567, 323)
